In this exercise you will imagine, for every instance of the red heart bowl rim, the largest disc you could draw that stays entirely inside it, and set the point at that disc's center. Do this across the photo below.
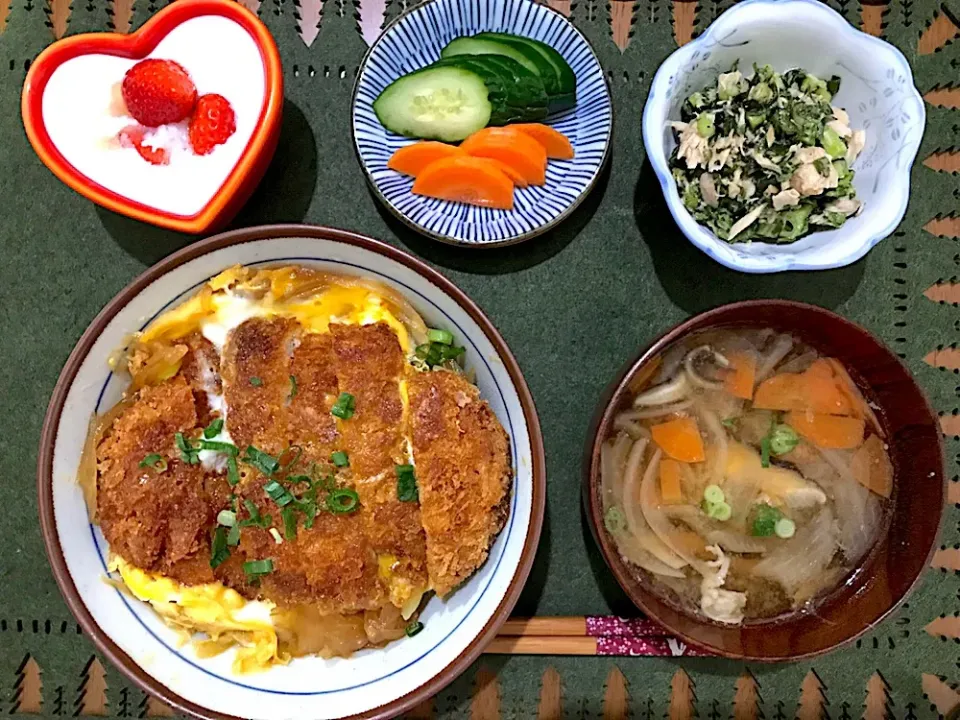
(254, 159)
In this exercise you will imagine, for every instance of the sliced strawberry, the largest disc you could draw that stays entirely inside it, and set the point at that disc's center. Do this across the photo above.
(158, 92)
(133, 137)
(212, 124)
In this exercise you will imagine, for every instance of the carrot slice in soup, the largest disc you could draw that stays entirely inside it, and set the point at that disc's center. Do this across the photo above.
(511, 147)
(743, 370)
(554, 142)
(412, 159)
(812, 391)
(872, 467)
(680, 439)
(861, 408)
(827, 431)
(820, 367)
(670, 492)
(468, 180)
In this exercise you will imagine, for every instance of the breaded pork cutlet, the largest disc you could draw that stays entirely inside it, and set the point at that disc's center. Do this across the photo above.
(157, 520)
(462, 457)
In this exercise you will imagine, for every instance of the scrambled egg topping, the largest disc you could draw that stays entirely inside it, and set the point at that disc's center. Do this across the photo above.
(315, 301)
(218, 611)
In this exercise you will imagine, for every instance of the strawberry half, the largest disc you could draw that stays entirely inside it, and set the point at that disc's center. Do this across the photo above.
(133, 135)
(212, 124)
(158, 92)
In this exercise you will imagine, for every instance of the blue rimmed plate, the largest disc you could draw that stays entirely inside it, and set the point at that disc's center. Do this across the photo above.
(413, 41)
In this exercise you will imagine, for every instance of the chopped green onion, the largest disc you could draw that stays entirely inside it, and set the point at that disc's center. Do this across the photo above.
(407, 484)
(219, 551)
(233, 472)
(256, 518)
(255, 381)
(765, 520)
(293, 388)
(730, 423)
(298, 479)
(220, 447)
(309, 509)
(340, 459)
(614, 520)
(188, 453)
(719, 511)
(343, 500)
(278, 493)
(765, 452)
(266, 464)
(783, 439)
(275, 534)
(414, 628)
(344, 406)
(444, 337)
(254, 568)
(435, 353)
(213, 429)
(713, 494)
(233, 537)
(785, 528)
(155, 462)
(289, 515)
(227, 518)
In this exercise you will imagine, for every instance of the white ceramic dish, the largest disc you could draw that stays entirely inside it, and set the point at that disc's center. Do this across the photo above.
(373, 683)
(877, 91)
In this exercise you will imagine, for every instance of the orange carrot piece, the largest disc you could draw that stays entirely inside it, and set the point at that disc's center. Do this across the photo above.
(872, 468)
(810, 390)
(412, 159)
(827, 431)
(680, 439)
(474, 181)
(743, 371)
(820, 367)
(670, 492)
(861, 408)
(511, 147)
(690, 542)
(554, 142)
(514, 176)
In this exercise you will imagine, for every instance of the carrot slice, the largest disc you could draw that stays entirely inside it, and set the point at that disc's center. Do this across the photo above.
(680, 439)
(514, 176)
(474, 181)
(412, 159)
(812, 391)
(827, 431)
(861, 408)
(511, 147)
(872, 468)
(743, 370)
(820, 367)
(554, 142)
(670, 492)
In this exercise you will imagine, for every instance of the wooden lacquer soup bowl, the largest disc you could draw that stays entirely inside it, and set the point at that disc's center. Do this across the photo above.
(888, 571)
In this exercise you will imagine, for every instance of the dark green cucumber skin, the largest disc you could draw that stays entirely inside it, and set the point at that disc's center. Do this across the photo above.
(523, 91)
(473, 46)
(568, 81)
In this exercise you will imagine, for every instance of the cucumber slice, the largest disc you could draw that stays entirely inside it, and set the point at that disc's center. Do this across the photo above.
(523, 54)
(447, 103)
(516, 94)
(568, 81)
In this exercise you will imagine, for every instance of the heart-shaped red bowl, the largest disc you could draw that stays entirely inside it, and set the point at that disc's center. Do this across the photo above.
(261, 123)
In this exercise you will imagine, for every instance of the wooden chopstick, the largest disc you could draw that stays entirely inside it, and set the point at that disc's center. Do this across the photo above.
(545, 626)
(542, 645)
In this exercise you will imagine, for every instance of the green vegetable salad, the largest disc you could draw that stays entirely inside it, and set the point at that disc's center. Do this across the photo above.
(768, 157)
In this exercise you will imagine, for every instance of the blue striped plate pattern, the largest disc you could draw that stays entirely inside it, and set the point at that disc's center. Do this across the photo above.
(413, 41)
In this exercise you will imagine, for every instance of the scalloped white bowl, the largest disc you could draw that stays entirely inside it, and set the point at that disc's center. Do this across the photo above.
(877, 91)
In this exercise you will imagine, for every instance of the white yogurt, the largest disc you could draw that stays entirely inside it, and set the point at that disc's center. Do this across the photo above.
(221, 57)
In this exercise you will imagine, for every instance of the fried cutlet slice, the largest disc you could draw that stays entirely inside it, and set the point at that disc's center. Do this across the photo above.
(370, 366)
(156, 520)
(462, 459)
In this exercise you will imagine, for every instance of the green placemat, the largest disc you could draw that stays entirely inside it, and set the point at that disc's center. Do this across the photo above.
(573, 305)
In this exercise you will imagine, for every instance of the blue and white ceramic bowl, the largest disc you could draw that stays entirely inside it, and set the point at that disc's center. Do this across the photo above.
(413, 41)
(877, 91)
(377, 683)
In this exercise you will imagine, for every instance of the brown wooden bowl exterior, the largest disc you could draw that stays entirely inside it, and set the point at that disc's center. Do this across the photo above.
(889, 571)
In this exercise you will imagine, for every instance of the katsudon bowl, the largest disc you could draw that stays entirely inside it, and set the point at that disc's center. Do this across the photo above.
(373, 682)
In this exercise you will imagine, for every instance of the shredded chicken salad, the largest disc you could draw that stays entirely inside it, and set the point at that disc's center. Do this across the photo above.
(766, 158)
